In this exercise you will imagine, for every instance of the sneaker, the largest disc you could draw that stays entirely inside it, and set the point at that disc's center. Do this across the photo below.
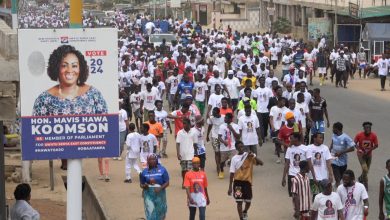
(221, 175)
(107, 179)
(101, 177)
(119, 158)
(127, 181)
(115, 158)
(245, 216)
(278, 161)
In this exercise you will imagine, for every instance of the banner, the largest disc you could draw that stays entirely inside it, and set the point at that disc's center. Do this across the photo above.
(317, 27)
(69, 93)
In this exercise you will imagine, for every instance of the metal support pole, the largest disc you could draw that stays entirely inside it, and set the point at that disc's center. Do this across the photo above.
(154, 9)
(166, 5)
(74, 172)
(14, 11)
(335, 25)
(2, 172)
(51, 175)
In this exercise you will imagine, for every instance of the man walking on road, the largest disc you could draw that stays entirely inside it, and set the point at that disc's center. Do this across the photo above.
(327, 205)
(340, 146)
(301, 192)
(318, 108)
(240, 183)
(384, 194)
(185, 147)
(366, 141)
(354, 197)
(341, 69)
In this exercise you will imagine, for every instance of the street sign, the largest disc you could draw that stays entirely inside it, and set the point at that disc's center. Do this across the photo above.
(353, 10)
(69, 94)
(271, 11)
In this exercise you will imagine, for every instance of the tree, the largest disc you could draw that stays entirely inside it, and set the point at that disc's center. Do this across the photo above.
(282, 25)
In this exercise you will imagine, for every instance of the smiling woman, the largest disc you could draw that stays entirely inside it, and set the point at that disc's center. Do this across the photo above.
(71, 96)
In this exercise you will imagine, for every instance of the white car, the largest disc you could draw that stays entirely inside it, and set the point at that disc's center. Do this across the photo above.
(156, 39)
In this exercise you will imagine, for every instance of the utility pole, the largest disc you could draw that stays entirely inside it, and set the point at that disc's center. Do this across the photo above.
(154, 9)
(75, 171)
(335, 25)
(2, 171)
(14, 13)
(166, 5)
(271, 17)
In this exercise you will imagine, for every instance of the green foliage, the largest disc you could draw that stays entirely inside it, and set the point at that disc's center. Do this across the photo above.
(282, 25)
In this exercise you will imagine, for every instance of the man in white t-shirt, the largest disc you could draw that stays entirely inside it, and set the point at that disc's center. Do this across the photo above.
(162, 117)
(185, 146)
(172, 84)
(148, 99)
(353, 196)
(321, 160)
(220, 61)
(215, 99)
(228, 133)
(327, 205)
(123, 124)
(302, 89)
(262, 95)
(296, 153)
(148, 144)
(213, 81)
(214, 122)
(200, 90)
(145, 80)
(232, 85)
(133, 145)
(286, 62)
(250, 130)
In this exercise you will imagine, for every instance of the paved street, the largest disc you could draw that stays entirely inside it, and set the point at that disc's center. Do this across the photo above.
(351, 107)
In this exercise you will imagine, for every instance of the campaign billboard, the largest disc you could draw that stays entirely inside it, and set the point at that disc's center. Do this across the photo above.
(318, 27)
(69, 93)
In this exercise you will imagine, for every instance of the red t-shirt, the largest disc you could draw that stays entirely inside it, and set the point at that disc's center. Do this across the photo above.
(197, 182)
(169, 63)
(179, 121)
(285, 133)
(366, 143)
(209, 75)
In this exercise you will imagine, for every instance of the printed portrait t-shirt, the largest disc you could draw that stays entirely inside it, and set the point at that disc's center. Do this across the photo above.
(197, 182)
(353, 210)
(327, 206)
(248, 125)
(319, 156)
(296, 154)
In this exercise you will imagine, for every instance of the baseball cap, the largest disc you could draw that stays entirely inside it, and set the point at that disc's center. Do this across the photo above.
(230, 72)
(188, 96)
(289, 115)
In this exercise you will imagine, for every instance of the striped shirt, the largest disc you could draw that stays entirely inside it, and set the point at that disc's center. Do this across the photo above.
(301, 188)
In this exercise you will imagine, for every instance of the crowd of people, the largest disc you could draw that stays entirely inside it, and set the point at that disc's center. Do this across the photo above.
(221, 89)
(222, 92)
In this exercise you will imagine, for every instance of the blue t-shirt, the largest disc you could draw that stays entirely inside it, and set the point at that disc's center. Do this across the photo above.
(158, 175)
(185, 88)
(341, 143)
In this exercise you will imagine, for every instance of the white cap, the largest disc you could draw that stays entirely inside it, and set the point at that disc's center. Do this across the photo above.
(230, 72)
